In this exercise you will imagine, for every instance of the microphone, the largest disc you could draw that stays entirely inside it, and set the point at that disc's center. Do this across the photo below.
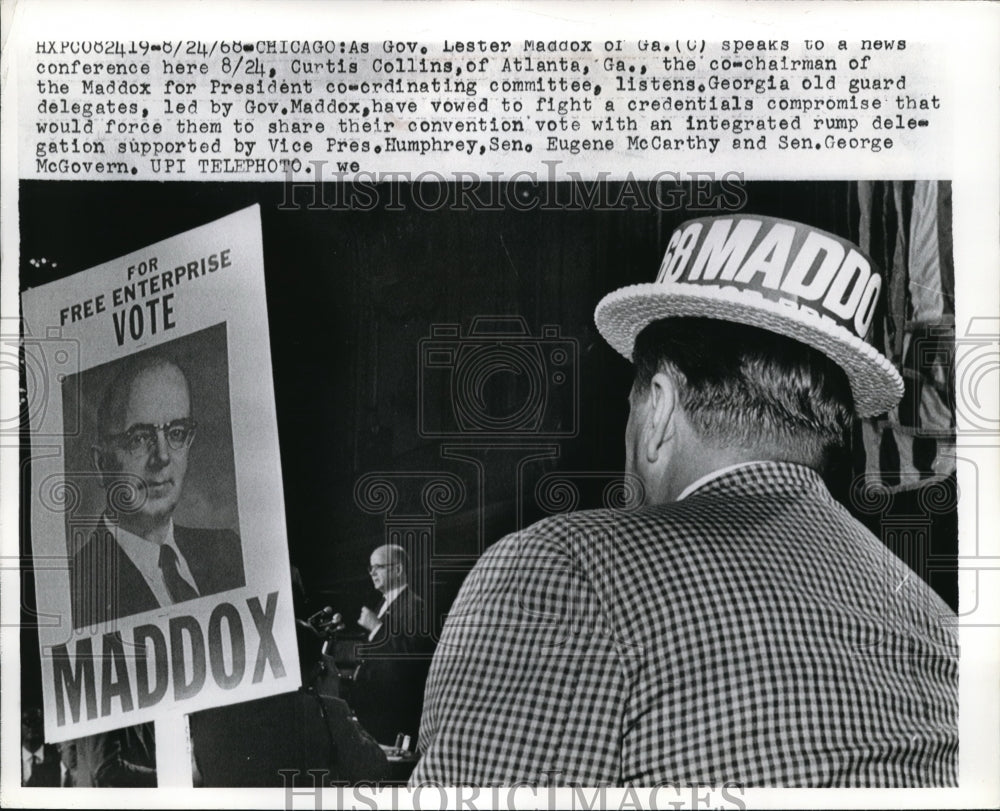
(321, 617)
(326, 622)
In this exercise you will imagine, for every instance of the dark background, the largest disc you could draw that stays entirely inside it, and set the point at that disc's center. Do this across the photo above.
(356, 278)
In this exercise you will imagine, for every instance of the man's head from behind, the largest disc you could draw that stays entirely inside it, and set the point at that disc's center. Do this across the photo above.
(144, 433)
(710, 392)
(388, 566)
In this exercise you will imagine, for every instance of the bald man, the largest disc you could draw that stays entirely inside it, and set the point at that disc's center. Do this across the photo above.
(389, 687)
(138, 559)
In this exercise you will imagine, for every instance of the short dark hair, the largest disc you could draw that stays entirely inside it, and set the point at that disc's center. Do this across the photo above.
(750, 388)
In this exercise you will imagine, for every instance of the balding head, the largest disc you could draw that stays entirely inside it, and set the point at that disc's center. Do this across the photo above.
(388, 566)
(131, 381)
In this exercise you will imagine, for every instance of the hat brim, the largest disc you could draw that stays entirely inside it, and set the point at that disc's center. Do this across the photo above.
(623, 314)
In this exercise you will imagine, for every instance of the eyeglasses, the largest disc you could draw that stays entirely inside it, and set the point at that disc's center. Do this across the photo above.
(140, 439)
(374, 566)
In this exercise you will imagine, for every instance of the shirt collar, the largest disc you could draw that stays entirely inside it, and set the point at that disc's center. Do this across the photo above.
(392, 594)
(715, 474)
(145, 554)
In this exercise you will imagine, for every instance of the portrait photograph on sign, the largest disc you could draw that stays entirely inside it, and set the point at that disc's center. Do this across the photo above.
(132, 487)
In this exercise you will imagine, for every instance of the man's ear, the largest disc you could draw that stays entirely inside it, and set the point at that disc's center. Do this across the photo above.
(662, 417)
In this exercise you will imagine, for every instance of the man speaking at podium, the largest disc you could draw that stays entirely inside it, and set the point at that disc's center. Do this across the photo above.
(738, 626)
(389, 687)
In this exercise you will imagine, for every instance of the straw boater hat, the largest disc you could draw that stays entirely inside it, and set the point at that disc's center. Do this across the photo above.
(778, 275)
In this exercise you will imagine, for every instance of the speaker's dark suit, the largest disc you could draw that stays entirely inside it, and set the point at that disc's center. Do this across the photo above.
(388, 692)
(106, 585)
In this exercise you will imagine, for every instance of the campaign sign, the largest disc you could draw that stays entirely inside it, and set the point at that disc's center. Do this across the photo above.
(157, 503)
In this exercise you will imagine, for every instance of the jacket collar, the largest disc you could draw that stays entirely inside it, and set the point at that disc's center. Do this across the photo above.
(757, 476)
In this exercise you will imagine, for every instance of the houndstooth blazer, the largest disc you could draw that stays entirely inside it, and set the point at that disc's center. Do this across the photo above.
(753, 633)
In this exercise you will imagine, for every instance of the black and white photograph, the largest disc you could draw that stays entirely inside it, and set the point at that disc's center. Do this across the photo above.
(500, 405)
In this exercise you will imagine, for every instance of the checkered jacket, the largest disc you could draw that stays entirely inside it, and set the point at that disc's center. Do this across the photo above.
(752, 632)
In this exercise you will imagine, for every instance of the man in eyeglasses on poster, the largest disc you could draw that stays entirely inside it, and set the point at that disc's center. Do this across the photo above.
(138, 559)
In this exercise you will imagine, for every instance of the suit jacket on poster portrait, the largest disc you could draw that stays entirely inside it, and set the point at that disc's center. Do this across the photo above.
(105, 585)
(388, 690)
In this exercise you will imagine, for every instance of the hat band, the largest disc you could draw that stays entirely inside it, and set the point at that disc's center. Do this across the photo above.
(786, 262)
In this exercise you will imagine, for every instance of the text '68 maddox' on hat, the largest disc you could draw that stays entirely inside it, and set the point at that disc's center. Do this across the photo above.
(778, 275)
